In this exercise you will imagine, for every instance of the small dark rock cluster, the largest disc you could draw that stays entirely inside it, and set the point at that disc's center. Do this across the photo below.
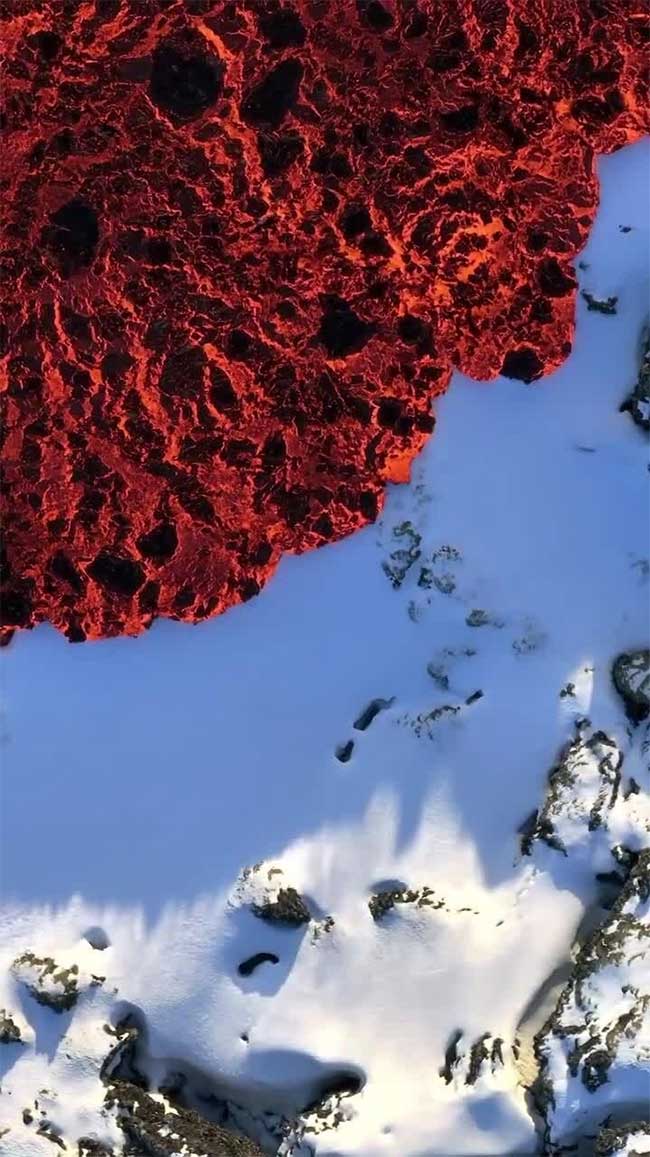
(405, 553)
(486, 1050)
(637, 404)
(248, 967)
(287, 908)
(382, 901)
(631, 676)
(612, 1140)
(542, 824)
(89, 1147)
(9, 1031)
(56, 988)
(344, 751)
(370, 713)
(606, 305)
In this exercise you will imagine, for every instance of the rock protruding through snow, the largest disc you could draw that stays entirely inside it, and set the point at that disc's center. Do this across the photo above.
(631, 675)
(599, 1035)
(637, 404)
(49, 983)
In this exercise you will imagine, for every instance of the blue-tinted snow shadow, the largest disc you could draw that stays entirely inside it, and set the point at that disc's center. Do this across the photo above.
(49, 1026)
(270, 1080)
(246, 936)
(150, 770)
(10, 1054)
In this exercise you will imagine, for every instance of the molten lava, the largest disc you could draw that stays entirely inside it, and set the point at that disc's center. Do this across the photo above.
(244, 244)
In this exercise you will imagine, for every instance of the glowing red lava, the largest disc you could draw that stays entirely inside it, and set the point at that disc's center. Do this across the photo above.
(244, 244)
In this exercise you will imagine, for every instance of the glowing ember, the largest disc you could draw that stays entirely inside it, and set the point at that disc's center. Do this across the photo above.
(243, 246)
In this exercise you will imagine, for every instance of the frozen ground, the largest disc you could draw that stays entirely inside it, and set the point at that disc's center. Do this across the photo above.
(141, 777)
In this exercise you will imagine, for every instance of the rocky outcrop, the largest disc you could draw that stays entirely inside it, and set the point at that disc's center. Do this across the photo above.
(370, 713)
(631, 676)
(159, 1129)
(606, 305)
(406, 550)
(154, 1123)
(49, 983)
(9, 1031)
(287, 908)
(332, 1108)
(484, 1056)
(89, 1147)
(582, 788)
(592, 1043)
(637, 404)
(382, 901)
(621, 1140)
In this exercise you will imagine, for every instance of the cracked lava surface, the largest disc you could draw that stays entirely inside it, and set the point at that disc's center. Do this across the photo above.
(243, 246)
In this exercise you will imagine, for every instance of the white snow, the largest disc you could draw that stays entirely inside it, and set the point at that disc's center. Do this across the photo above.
(141, 776)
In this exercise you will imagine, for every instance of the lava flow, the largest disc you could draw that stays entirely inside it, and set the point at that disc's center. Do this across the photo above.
(243, 245)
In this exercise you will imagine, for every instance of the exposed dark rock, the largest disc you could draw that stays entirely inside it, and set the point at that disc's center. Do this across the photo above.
(474, 698)
(154, 1127)
(9, 1031)
(528, 830)
(344, 751)
(477, 618)
(451, 1057)
(614, 1141)
(46, 1130)
(426, 721)
(404, 555)
(595, 763)
(631, 675)
(632, 788)
(605, 305)
(363, 721)
(89, 1147)
(288, 908)
(592, 1034)
(157, 1129)
(637, 404)
(479, 1053)
(247, 967)
(327, 1112)
(382, 901)
(121, 1057)
(55, 987)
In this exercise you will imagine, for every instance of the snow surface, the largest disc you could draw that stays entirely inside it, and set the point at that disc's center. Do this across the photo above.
(141, 776)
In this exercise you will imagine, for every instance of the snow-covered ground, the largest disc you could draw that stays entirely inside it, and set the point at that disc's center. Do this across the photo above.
(140, 777)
